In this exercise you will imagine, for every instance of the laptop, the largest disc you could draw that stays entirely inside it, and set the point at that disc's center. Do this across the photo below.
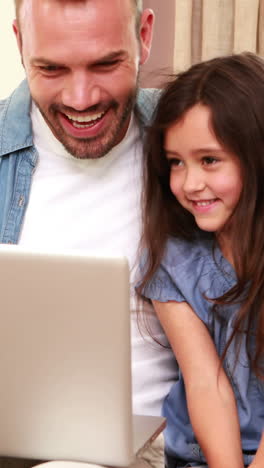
(65, 361)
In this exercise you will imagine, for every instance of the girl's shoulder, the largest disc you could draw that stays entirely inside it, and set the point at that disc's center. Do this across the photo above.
(184, 253)
(198, 263)
(193, 272)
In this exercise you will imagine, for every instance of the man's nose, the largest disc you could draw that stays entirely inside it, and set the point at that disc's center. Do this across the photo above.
(80, 92)
(194, 180)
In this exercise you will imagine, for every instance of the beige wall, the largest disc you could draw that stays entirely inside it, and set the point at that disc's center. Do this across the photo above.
(161, 60)
(12, 71)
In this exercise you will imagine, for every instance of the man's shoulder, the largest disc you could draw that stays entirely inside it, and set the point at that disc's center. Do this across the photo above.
(15, 122)
(147, 99)
(3, 106)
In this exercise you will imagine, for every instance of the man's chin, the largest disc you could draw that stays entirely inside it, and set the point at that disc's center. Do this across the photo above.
(82, 149)
(96, 146)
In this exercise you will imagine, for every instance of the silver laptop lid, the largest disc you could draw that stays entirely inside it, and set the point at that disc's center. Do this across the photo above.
(65, 357)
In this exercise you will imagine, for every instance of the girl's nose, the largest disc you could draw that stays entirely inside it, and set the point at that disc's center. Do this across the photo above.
(194, 181)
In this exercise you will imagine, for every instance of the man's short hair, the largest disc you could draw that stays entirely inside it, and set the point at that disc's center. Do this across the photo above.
(138, 4)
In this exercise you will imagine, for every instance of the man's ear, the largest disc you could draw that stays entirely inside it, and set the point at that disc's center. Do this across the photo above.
(145, 32)
(18, 35)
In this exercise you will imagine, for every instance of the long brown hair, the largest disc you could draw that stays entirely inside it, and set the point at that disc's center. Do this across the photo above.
(233, 89)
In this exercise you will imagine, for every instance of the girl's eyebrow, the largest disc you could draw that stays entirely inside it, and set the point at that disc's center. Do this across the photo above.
(170, 152)
(207, 149)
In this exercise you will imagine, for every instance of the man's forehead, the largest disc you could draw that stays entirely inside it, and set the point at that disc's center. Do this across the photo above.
(137, 3)
(115, 13)
(36, 14)
(81, 37)
(25, 6)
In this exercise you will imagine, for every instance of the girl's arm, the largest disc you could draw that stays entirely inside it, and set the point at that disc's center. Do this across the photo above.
(258, 461)
(210, 398)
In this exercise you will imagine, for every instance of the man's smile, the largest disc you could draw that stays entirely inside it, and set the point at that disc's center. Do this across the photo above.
(85, 121)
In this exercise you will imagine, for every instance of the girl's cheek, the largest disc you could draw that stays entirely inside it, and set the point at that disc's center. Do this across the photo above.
(175, 185)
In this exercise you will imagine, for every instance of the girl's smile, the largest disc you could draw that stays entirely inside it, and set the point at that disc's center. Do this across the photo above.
(203, 205)
(205, 177)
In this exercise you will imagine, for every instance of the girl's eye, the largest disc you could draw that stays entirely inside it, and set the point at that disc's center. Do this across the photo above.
(174, 162)
(209, 160)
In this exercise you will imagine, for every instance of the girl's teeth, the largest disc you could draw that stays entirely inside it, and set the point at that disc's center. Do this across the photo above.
(204, 203)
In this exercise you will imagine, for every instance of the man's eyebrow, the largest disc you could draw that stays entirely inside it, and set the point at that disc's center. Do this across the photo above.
(44, 61)
(119, 54)
(111, 56)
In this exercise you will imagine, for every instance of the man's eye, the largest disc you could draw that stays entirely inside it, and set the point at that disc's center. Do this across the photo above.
(110, 64)
(49, 68)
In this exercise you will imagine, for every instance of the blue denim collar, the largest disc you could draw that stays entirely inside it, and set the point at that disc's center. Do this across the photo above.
(15, 123)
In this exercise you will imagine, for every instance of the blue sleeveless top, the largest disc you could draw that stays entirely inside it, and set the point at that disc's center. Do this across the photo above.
(191, 271)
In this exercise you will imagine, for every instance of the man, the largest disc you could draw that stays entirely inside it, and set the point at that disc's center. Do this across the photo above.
(71, 146)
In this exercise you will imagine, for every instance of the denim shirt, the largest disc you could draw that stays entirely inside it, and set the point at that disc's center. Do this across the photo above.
(192, 271)
(18, 156)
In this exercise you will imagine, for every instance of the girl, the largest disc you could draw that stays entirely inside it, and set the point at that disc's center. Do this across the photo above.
(204, 267)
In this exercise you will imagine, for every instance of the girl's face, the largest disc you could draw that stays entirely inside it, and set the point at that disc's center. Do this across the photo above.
(205, 177)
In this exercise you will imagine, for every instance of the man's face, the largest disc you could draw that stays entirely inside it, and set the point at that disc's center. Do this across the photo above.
(82, 60)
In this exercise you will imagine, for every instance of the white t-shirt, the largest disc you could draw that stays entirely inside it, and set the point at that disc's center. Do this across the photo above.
(94, 205)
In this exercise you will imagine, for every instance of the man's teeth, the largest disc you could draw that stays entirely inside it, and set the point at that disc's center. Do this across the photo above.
(81, 119)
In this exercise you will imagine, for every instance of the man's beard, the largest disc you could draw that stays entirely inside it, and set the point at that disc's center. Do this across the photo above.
(97, 146)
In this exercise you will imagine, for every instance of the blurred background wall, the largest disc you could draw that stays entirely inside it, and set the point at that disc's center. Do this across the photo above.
(160, 62)
(11, 69)
(186, 31)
